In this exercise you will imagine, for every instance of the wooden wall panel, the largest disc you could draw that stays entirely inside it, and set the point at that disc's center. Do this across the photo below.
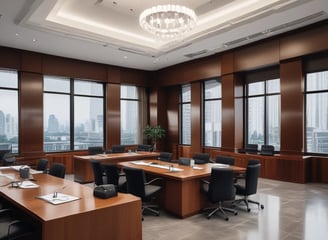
(307, 41)
(196, 128)
(10, 58)
(31, 62)
(202, 69)
(60, 66)
(228, 113)
(239, 112)
(291, 86)
(259, 55)
(135, 77)
(113, 115)
(172, 115)
(31, 114)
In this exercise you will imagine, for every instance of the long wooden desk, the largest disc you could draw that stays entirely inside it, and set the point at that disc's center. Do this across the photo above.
(181, 194)
(82, 164)
(117, 218)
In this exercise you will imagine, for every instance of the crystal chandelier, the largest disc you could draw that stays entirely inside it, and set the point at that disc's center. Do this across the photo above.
(168, 21)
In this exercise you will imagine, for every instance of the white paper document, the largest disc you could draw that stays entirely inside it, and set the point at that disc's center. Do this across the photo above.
(58, 198)
(27, 184)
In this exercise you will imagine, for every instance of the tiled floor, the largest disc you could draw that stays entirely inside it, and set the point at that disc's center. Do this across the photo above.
(292, 212)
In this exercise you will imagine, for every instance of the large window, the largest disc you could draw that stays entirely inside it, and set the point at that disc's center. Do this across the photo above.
(72, 108)
(133, 114)
(317, 112)
(88, 114)
(212, 113)
(9, 110)
(263, 108)
(185, 114)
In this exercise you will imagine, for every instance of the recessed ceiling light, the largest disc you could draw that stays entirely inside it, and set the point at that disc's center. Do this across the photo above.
(33, 40)
(17, 34)
(125, 57)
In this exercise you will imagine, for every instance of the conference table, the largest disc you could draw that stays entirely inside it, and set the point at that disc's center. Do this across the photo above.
(80, 216)
(181, 194)
(82, 164)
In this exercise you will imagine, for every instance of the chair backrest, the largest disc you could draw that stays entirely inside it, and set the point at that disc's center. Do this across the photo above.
(201, 158)
(267, 150)
(95, 150)
(144, 148)
(225, 160)
(165, 156)
(57, 170)
(135, 179)
(221, 187)
(251, 178)
(42, 165)
(9, 159)
(251, 148)
(112, 173)
(184, 161)
(97, 172)
(253, 161)
(118, 149)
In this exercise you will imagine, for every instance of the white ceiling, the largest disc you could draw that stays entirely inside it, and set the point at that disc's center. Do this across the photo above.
(107, 31)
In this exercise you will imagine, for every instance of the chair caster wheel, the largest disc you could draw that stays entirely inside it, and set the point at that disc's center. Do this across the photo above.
(248, 209)
(262, 206)
(236, 213)
(227, 219)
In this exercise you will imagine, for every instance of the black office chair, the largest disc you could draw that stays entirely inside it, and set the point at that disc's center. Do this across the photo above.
(137, 185)
(118, 149)
(253, 162)
(250, 186)
(184, 161)
(42, 165)
(201, 158)
(12, 228)
(114, 176)
(225, 160)
(144, 148)
(57, 170)
(165, 156)
(251, 148)
(219, 190)
(267, 150)
(98, 172)
(95, 150)
(9, 159)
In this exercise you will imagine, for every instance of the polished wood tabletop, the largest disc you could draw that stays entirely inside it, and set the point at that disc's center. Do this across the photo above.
(161, 168)
(82, 164)
(80, 216)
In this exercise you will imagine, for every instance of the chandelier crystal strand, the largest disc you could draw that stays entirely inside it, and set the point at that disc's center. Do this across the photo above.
(168, 21)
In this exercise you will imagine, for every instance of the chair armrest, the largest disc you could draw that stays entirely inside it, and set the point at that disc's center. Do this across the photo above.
(153, 180)
(205, 181)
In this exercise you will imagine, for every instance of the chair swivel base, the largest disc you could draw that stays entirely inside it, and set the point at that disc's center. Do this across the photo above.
(222, 210)
(247, 202)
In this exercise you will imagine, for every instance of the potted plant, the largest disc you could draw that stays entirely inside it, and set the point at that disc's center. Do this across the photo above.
(154, 133)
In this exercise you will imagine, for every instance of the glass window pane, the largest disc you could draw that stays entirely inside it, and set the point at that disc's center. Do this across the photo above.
(256, 120)
(212, 121)
(317, 81)
(8, 79)
(9, 120)
(255, 88)
(56, 122)
(56, 84)
(88, 122)
(186, 124)
(129, 92)
(273, 86)
(186, 93)
(273, 121)
(317, 122)
(212, 89)
(88, 88)
(129, 122)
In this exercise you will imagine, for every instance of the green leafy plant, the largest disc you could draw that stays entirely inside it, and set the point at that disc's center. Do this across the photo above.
(154, 133)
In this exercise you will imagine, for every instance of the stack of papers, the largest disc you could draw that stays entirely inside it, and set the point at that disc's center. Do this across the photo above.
(28, 184)
(220, 165)
(58, 198)
(142, 163)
